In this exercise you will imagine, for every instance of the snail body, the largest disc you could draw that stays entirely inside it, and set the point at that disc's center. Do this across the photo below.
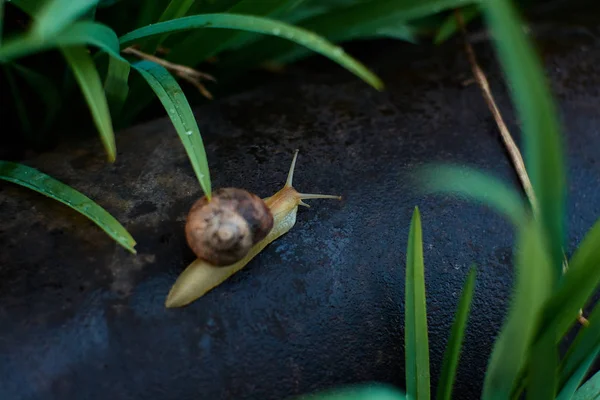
(202, 276)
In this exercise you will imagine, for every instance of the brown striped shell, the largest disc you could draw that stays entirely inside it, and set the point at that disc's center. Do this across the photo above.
(224, 230)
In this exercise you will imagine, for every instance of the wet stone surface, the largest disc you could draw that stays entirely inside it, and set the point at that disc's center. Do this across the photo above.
(323, 305)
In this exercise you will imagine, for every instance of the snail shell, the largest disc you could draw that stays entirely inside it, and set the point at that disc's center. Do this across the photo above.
(224, 229)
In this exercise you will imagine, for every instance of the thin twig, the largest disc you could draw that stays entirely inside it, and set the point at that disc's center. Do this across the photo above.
(509, 143)
(189, 74)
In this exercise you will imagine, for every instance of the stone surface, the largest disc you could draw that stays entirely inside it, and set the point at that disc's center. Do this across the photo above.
(323, 305)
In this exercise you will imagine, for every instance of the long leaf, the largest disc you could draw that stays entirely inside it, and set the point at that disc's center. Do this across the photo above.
(541, 131)
(582, 352)
(18, 102)
(58, 14)
(542, 370)
(415, 309)
(77, 34)
(200, 45)
(570, 389)
(590, 390)
(532, 288)
(357, 392)
(580, 283)
(48, 186)
(173, 100)
(344, 23)
(89, 82)
(452, 354)
(175, 9)
(474, 185)
(258, 25)
(116, 84)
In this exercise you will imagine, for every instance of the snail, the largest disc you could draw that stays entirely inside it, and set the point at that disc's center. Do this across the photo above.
(269, 219)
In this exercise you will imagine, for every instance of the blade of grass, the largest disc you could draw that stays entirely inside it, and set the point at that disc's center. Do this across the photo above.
(175, 103)
(89, 82)
(56, 15)
(175, 9)
(48, 186)
(115, 84)
(258, 25)
(450, 27)
(582, 352)
(541, 131)
(342, 22)
(200, 45)
(570, 389)
(78, 34)
(590, 390)
(416, 336)
(474, 185)
(532, 288)
(543, 365)
(580, 282)
(452, 353)
(363, 391)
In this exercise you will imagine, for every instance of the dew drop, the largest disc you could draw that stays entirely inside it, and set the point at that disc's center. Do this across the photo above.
(189, 133)
(276, 31)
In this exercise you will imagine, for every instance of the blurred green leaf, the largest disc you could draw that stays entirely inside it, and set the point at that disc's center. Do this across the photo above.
(175, 9)
(343, 23)
(115, 85)
(450, 26)
(357, 392)
(56, 15)
(416, 341)
(570, 388)
(78, 34)
(202, 44)
(175, 103)
(541, 131)
(580, 282)
(48, 186)
(543, 366)
(472, 184)
(19, 103)
(452, 353)
(590, 390)
(30, 7)
(259, 25)
(581, 354)
(87, 76)
(533, 285)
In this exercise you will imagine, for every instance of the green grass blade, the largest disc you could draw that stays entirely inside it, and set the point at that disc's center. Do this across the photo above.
(580, 282)
(543, 146)
(415, 325)
(175, 103)
(570, 389)
(56, 15)
(115, 85)
(452, 354)
(590, 390)
(532, 287)
(78, 34)
(200, 45)
(175, 9)
(543, 366)
(450, 26)
(88, 78)
(357, 392)
(472, 184)
(258, 25)
(48, 186)
(582, 352)
(343, 23)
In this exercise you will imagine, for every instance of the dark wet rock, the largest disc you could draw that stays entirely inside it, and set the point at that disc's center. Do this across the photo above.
(323, 305)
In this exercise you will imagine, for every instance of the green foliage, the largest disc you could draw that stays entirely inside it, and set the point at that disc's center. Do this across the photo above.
(48, 186)
(416, 342)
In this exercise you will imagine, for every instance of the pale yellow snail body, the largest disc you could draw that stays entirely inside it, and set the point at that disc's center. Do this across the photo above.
(201, 276)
